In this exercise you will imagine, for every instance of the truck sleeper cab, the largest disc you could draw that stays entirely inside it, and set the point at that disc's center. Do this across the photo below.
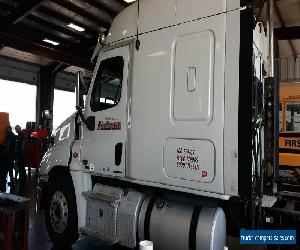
(165, 139)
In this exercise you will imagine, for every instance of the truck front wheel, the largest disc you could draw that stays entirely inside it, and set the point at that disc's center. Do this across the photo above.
(61, 210)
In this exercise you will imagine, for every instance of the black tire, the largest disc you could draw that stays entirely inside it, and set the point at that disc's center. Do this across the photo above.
(61, 185)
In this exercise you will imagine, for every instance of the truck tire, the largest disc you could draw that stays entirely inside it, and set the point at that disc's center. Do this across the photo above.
(61, 210)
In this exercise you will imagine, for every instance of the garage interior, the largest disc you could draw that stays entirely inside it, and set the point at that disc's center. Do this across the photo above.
(44, 43)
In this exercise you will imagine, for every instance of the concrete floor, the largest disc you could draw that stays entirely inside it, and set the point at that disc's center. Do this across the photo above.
(38, 236)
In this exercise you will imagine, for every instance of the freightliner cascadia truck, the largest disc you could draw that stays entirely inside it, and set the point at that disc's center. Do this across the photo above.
(168, 145)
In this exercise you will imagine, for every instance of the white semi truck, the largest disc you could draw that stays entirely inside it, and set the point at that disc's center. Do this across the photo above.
(168, 146)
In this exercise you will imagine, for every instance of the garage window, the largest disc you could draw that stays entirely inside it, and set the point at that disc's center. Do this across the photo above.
(65, 99)
(19, 100)
(108, 84)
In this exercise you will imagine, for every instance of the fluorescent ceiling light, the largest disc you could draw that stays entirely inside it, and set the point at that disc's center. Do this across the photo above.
(129, 1)
(50, 41)
(76, 27)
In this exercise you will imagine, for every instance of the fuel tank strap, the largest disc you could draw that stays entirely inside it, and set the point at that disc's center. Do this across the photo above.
(148, 217)
(193, 228)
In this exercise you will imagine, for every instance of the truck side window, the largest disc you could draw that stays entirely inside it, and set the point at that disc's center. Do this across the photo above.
(108, 84)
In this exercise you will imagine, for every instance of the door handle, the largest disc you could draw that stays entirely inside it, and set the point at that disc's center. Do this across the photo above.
(118, 153)
(128, 111)
(191, 79)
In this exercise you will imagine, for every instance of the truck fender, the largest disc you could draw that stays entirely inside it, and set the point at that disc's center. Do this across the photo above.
(59, 155)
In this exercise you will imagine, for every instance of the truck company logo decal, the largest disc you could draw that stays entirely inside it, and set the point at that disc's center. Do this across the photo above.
(108, 125)
(187, 159)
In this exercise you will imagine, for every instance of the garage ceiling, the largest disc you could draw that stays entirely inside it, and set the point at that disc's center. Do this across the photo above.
(288, 27)
(29, 26)
(286, 23)
(26, 24)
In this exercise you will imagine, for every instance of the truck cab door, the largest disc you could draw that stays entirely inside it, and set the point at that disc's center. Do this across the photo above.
(103, 149)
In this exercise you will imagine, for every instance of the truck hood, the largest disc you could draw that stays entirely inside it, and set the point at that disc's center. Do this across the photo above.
(59, 153)
(65, 131)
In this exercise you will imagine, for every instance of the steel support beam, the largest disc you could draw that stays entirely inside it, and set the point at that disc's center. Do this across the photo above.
(288, 33)
(23, 10)
(43, 51)
(45, 96)
(104, 22)
(58, 28)
(5, 8)
(277, 10)
(122, 2)
(103, 5)
(38, 34)
(45, 91)
(57, 67)
(270, 35)
(62, 19)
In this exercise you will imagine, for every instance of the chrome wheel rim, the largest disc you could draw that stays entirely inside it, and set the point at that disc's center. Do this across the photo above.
(59, 212)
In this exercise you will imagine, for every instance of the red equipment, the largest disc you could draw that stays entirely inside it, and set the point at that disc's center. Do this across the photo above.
(35, 145)
(4, 122)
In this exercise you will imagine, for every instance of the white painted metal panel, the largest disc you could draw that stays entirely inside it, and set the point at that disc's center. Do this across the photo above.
(192, 160)
(187, 10)
(231, 103)
(193, 81)
(124, 25)
(82, 182)
(232, 4)
(152, 94)
(59, 154)
(99, 146)
(155, 14)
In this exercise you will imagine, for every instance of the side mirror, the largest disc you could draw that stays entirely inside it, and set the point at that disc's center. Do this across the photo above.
(79, 91)
(90, 123)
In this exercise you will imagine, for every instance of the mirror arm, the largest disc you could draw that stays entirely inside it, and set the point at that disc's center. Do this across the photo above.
(82, 117)
(89, 121)
(90, 124)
